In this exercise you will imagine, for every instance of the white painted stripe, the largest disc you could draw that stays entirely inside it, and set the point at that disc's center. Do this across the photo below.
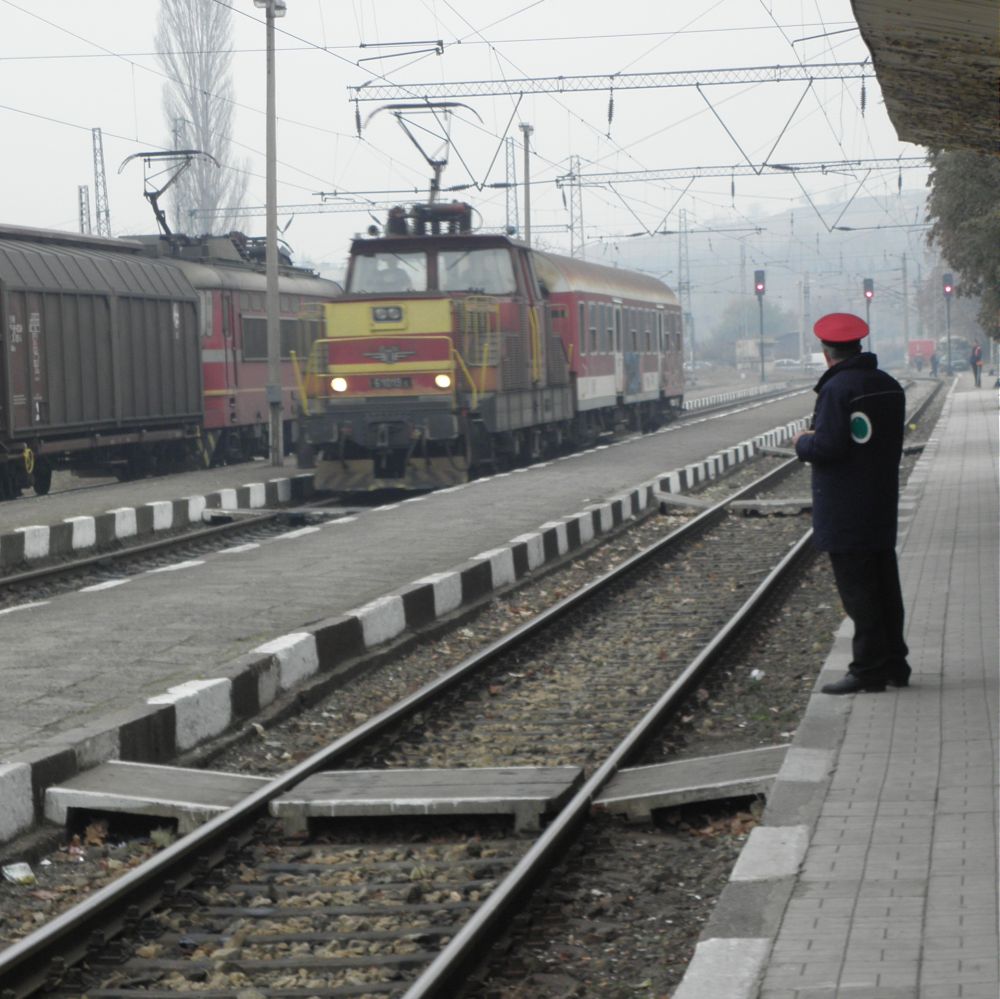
(501, 565)
(18, 812)
(562, 538)
(299, 533)
(109, 584)
(258, 494)
(227, 499)
(535, 547)
(21, 607)
(586, 524)
(447, 591)
(239, 549)
(725, 968)
(284, 489)
(189, 564)
(340, 520)
(771, 852)
(296, 654)
(203, 708)
(163, 514)
(36, 540)
(84, 532)
(125, 522)
(196, 508)
(381, 620)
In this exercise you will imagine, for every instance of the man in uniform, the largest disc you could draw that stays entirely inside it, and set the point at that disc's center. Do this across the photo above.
(854, 446)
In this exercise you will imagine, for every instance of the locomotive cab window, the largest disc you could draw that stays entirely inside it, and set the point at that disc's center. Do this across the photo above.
(389, 272)
(484, 271)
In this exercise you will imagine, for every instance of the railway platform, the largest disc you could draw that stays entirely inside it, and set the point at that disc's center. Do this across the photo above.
(874, 872)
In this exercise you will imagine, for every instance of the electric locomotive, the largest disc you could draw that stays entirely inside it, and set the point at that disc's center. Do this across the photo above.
(455, 352)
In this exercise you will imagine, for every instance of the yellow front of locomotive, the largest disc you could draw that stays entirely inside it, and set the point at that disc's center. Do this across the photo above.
(380, 395)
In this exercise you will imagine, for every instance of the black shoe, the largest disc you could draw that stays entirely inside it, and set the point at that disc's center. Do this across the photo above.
(899, 680)
(852, 684)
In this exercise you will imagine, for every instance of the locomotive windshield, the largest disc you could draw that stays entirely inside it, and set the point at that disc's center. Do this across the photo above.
(486, 271)
(389, 272)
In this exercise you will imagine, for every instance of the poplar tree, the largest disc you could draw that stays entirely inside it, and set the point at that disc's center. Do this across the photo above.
(194, 47)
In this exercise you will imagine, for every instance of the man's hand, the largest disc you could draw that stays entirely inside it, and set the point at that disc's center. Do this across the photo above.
(800, 434)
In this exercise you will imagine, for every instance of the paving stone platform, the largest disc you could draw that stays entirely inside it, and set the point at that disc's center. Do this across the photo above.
(874, 873)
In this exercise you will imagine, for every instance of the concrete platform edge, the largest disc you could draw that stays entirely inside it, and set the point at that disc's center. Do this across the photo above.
(735, 946)
(200, 709)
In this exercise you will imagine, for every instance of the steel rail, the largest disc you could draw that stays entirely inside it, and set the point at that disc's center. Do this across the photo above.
(444, 975)
(32, 962)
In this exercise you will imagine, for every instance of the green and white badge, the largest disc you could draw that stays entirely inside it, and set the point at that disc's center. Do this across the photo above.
(861, 428)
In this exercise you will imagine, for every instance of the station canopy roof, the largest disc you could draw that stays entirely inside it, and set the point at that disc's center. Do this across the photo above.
(938, 64)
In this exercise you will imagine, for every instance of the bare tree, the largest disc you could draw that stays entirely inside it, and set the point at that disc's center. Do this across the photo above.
(193, 40)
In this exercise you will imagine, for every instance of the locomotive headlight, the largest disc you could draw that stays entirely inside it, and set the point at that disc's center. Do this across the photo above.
(442, 381)
(387, 314)
(338, 384)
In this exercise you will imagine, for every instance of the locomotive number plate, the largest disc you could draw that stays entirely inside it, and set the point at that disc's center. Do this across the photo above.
(391, 382)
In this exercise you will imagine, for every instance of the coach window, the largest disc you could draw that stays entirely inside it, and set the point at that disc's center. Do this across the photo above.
(581, 326)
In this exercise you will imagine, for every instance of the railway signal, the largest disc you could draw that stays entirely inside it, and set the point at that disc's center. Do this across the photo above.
(948, 288)
(759, 287)
(869, 290)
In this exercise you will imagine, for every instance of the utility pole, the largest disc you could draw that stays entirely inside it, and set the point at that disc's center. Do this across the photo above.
(83, 199)
(274, 8)
(102, 210)
(906, 312)
(806, 315)
(526, 129)
(575, 208)
(513, 224)
(684, 279)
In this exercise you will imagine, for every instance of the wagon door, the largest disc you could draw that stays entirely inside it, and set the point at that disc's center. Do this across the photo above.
(617, 349)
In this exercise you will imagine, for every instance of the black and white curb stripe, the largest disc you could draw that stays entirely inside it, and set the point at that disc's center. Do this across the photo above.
(191, 713)
(703, 402)
(76, 534)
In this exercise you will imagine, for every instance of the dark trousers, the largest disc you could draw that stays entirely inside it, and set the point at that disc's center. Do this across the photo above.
(868, 583)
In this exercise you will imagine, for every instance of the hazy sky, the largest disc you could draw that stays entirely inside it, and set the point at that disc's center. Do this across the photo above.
(71, 65)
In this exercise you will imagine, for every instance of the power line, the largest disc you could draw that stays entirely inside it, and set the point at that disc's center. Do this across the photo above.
(372, 91)
(745, 170)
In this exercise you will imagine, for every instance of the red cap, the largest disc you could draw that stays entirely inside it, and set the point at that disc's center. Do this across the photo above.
(840, 327)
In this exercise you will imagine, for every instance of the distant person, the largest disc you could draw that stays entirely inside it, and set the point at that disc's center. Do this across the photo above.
(919, 361)
(392, 277)
(935, 361)
(976, 363)
(854, 446)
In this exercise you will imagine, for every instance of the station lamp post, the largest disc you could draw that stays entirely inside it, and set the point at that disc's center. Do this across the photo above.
(869, 289)
(273, 9)
(758, 289)
(948, 289)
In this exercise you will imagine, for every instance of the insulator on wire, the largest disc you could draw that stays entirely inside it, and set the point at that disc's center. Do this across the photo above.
(732, 189)
(899, 182)
(357, 116)
(611, 108)
(864, 98)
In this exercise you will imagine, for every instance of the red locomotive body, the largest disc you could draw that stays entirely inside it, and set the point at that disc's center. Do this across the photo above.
(454, 352)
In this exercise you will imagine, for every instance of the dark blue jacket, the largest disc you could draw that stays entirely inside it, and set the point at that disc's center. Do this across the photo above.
(854, 452)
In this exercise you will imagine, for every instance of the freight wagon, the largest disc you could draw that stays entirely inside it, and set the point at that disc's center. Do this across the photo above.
(131, 356)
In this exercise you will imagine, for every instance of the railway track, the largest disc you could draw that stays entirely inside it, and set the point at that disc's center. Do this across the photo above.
(422, 881)
(595, 716)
